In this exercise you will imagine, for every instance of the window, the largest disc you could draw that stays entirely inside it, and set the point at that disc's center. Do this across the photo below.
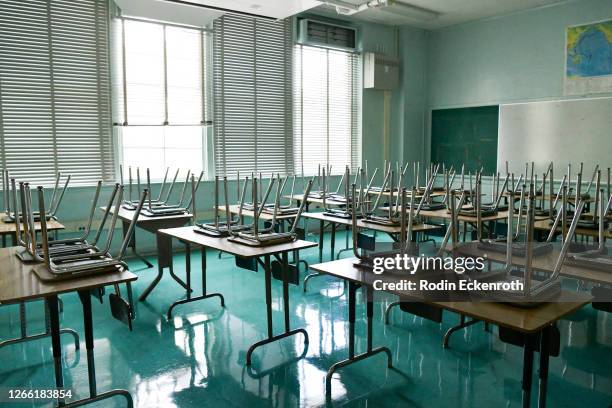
(252, 95)
(55, 111)
(326, 106)
(161, 85)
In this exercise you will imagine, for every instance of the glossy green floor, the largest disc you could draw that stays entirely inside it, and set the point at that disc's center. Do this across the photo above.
(198, 358)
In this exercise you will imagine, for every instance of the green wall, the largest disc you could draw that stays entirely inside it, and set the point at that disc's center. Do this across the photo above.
(513, 58)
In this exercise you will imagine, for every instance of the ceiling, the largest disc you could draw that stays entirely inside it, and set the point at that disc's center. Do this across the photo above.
(167, 11)
(426, 14)
(269, 8)
(450, 12)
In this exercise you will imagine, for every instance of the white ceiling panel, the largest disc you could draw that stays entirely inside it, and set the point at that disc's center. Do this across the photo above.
(269, 8)
(169, 12)
(446, 12)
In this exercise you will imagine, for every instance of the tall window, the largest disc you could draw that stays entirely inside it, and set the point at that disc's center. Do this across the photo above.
(161, 94)
(326, 106)
(253, 95)
(55, 111)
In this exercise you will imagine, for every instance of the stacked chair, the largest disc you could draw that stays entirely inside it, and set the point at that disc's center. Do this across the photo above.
(160, 206)
(251, 234)
(54, 204)
(598, 258)
(75, 258)
(256, 237)
(533, 293)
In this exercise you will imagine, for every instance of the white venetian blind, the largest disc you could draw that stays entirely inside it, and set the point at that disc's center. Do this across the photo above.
(54, 90)
(252, 95)
(326, 106)
(159, 73)
(144, 73)
(161, 85)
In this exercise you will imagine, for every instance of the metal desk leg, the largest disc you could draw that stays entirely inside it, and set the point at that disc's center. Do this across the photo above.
(321, 244)
(544, 355)
(85, 297)
(164, 260)
(527, 370)
(56, 342)
(288, 332)
(370, 351)
(176, 278)
(321, 239)
(188, 272)
(388, 310)
(333, 241)
(346, 243)
(125, 226)
(462, 324)
(24, 336)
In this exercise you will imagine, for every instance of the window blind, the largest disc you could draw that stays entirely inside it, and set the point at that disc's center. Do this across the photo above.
(252, 92)
(326, 109)
(161, 85)
(55, 110)
(159, 73)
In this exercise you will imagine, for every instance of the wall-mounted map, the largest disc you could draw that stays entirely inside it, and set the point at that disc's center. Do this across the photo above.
(588, 58)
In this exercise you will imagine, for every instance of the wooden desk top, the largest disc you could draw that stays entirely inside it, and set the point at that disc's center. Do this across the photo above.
(367, 225)
(526, 320)
(127, 215)
(18, 282)
(444, 214)
(548, 197)
(408, 193)
(544, 225)
(235, 208)
(544, 262)
(313, 200)
(187, 234)
(11, 227)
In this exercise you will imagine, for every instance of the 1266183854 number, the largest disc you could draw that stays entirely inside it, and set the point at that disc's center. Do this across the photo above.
(14, 394)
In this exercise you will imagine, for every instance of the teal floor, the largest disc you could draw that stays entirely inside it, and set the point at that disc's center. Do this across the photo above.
(198, 358)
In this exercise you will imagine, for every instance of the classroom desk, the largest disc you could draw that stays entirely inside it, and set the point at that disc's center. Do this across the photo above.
(335, 203)
(544, 225)
(323, 218)
(533, 325)
(418, 194)
(314, 200)
(10, 228)
(545, 263)
(188, 236)
(334, 221)
(266, 216)
(548, 197)
(152, 225)
(445, 214)
(19, 283)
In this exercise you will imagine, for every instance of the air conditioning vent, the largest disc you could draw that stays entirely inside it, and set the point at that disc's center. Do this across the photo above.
(326, 35)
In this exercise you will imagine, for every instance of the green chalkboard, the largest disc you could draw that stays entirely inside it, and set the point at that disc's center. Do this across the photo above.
(465, 135)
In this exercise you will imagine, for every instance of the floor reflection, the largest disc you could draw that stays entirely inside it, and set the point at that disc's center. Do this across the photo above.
(198, 358)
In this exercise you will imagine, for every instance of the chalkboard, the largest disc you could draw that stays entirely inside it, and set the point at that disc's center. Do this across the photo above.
(465, 135)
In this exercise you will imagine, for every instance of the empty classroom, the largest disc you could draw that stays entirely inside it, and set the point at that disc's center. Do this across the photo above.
(305, 203)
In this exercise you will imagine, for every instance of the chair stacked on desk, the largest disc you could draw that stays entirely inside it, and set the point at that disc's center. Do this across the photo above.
(251, 234)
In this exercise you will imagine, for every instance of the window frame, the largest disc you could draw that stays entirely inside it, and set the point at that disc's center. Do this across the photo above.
(121, 122)
(355, 138)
